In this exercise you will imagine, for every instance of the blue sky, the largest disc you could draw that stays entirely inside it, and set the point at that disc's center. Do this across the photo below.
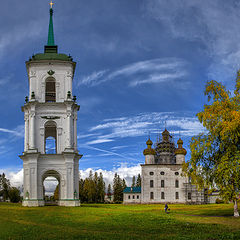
(139, 63)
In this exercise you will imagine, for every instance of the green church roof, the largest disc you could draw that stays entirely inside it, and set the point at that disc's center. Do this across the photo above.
(132, 190)
(51, 50)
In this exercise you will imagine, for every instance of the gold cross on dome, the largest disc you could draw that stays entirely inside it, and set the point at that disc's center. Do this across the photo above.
(51, 4)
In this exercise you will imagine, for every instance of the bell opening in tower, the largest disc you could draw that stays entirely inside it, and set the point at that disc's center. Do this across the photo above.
(50, 91)
(50, 138)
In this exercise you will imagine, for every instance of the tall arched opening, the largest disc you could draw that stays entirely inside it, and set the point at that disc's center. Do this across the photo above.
(50, 141)
(51, 183)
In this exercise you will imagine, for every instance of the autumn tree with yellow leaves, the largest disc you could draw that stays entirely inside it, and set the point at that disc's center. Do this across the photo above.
(215, 154)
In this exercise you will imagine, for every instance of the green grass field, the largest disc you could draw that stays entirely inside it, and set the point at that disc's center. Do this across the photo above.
(110, 221)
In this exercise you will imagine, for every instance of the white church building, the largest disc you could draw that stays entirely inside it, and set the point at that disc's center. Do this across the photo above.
(50, 114)
(162, 180)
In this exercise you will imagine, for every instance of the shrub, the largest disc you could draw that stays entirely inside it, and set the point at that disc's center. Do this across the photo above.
(219, 201)
(14, 195)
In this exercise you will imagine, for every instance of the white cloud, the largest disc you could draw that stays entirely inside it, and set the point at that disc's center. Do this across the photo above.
(15, 176)
(124, 171)
(144, 72)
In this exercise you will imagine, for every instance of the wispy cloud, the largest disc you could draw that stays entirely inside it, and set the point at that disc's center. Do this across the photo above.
(93, 78)
(100, 140)
(159, 78)
(18, 131)
(144, 72)
(18, 34)
(213, 23)
(143, 124)
(107, 151)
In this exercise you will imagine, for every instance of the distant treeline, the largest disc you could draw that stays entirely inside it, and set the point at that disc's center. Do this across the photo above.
(91, 190)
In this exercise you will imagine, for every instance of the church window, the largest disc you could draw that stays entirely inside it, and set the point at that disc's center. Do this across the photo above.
(189, 196)
(50, 138)
(176, 173)
(162, 195)
(137, 196)
(151, 195)
(129, 196)
(50, 90)
(162, 173)
(177, 195)
(162, 183)
(177, 184)
(151, 183)
(151, 173)
(133, 197)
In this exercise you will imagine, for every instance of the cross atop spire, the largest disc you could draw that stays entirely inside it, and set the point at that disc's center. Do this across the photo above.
(51, 4)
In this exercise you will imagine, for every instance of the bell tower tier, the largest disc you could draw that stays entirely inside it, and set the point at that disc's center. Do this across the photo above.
(50, 114)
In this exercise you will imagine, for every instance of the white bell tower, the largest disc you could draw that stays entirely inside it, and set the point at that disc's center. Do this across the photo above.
(50, 114)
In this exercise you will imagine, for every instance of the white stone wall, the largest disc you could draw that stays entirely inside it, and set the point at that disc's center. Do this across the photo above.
(180, 158)
(38, 73)
(169, 188)
(64, 165)
(131, 198)
(36, 115)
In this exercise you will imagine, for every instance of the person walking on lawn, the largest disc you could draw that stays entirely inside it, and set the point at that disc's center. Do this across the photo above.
(166, 208)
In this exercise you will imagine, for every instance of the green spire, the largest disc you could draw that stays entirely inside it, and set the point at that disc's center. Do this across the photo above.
(50, 30)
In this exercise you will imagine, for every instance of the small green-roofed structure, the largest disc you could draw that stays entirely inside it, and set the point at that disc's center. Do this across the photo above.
(132, 190)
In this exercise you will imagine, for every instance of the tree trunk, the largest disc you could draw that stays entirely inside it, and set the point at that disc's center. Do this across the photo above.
(236, 214)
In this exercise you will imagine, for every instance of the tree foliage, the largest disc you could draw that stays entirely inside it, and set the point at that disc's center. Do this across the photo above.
(138, 182)
(133, 181)
(118, 187)
(56, 193)
(14, 195)
(7, 192)
(92, 189)
(4, 187)
(215, 154)
(109, 191)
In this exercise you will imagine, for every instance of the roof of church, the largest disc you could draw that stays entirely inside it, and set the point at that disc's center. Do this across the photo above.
(51, 50)
(132, 190)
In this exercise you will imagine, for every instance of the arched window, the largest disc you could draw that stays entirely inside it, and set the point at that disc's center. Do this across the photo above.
(177, 184)
(50, 138)
(151, 183)
(50, 90)
(162, 183)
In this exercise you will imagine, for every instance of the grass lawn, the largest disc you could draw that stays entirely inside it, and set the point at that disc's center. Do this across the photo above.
(110, 221)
